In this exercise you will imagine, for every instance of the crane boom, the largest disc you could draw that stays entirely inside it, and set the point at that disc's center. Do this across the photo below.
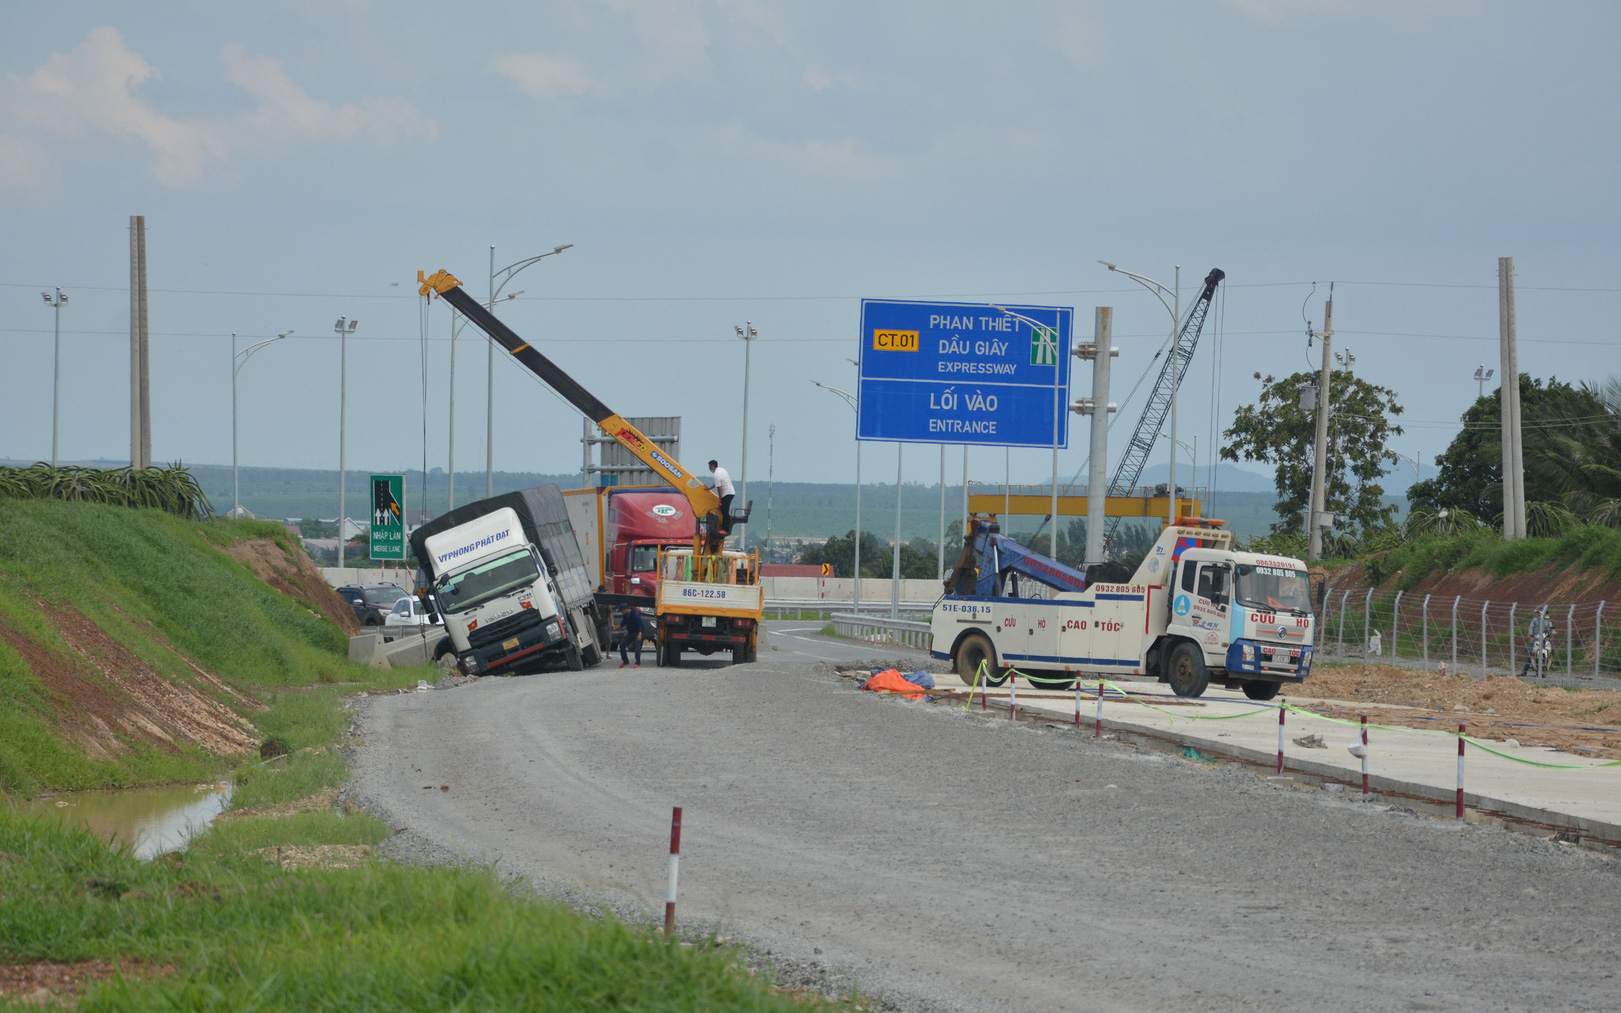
(1152, 421)
(705, 504)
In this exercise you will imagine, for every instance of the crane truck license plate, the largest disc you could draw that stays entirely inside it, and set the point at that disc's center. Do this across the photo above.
(708, 621)
(509, 645)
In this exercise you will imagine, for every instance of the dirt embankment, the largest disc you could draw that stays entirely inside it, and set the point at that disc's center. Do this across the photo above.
(1586, 722)
(1547, 584)
(107, 697)
(290, 571)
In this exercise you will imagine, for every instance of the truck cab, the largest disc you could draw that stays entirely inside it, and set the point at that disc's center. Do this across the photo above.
(1249, 614)
(495, 594)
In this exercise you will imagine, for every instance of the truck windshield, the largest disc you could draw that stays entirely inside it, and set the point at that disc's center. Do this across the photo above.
(487, 580)
(644, 558)
(1273, 588)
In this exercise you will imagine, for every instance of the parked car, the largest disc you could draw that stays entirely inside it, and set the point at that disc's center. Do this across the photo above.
(411, 611)
(372, 602)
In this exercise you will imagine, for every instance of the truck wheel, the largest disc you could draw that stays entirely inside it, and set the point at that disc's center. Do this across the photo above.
(575, 662)
(442, 648)
(670, 656)
(1186, 672)
(973, 650)
(1257, 689)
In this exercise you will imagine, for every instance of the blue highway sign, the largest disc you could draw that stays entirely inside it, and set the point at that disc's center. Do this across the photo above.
(964, 373)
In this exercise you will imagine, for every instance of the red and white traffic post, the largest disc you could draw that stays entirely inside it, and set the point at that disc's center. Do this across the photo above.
(1077, 705)
(1280, 736)
(1012, 694)
(1364, 754)
(1097, 731)
(1459, 813)
(675, 868)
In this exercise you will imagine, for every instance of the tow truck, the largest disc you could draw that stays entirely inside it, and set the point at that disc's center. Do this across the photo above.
(709, 597)
(1195, 611)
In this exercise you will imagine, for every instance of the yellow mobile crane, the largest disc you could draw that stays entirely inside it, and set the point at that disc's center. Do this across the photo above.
(709, 597)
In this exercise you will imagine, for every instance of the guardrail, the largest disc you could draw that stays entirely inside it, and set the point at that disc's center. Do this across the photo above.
(914, 609)
(882, 630)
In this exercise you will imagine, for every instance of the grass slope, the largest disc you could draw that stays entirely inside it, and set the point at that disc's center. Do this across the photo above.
(1587, 548)
(159, 588)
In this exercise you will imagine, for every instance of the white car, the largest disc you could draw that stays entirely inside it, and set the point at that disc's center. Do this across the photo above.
(410, 611)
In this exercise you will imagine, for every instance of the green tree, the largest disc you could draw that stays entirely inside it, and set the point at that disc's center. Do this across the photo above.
(1572, 450)
(1276, 430)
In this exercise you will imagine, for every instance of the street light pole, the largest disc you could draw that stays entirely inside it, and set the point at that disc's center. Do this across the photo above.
(1482, 374)
(1159, 292)
(344, 327)
(56, 377)
(850, 399)
(1038, 332)
(770, 482)
(238, 360)
(506, 274)
(749, 335)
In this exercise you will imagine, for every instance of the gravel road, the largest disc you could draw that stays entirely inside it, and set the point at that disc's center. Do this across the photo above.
(950, 861)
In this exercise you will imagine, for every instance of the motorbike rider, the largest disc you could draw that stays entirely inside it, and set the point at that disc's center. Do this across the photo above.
(1539, 641)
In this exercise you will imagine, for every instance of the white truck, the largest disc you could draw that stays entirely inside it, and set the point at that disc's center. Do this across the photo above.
(1195, 611)
(510, 584)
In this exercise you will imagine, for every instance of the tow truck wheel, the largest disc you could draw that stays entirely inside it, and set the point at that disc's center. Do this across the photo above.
(973, 650)
(1258, 689)
(1186, 672)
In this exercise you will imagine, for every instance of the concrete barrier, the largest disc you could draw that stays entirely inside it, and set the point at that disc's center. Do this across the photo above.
(367, 648)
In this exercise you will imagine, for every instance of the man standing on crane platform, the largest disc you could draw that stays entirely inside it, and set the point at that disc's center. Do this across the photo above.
(723, 489)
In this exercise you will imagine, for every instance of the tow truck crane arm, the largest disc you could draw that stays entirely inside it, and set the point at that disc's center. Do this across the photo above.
(989, 556)
(705, 504)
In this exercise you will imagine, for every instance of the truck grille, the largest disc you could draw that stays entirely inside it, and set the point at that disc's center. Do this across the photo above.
(503, 628)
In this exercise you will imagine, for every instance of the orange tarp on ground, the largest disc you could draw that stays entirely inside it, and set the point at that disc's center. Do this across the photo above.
(890, 681)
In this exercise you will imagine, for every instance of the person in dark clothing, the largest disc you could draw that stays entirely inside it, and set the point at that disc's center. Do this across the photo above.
(630, 620)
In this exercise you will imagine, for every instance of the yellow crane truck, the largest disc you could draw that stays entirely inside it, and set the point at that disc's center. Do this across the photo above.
(709, 597)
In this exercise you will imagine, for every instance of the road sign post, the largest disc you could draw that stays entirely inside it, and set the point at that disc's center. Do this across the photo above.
(388, 517)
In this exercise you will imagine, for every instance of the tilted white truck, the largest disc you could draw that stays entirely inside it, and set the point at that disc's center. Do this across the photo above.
(510, 583)
(1195, 611)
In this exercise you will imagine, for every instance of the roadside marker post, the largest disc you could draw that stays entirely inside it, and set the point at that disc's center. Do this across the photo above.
(1364, 754)
(1281, 710)
(1077, 705)
(675, 866)
(1012, 695)
(1097, 731)
(1459, 813)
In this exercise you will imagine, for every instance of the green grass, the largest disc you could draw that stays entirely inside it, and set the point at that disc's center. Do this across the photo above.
(159, 586)
(239, 836)
(239, 933)
(1586, 548)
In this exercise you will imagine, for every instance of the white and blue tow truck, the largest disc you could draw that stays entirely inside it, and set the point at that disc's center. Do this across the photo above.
(1195, 611)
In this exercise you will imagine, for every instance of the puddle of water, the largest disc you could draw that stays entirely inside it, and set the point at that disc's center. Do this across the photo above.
(153, 821)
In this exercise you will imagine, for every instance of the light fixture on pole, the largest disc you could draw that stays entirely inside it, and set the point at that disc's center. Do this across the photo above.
(506, 274)
(1174, 308)
(850, 399)
(1482, 374)
(58, 302)
(748, 335)
(238, 360)
(1041, 334)
(1348, 359)
(344, 327)
(1415, 462)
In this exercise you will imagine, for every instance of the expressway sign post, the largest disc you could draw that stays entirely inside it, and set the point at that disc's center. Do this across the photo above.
(388, 517)
(964, 373)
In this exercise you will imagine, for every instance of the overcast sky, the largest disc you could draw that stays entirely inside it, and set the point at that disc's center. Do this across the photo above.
(722, 162)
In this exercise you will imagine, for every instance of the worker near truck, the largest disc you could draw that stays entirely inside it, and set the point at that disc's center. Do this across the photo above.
(723, 489)
(630, 619)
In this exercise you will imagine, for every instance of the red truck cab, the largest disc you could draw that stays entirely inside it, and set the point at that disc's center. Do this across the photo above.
(636, 523)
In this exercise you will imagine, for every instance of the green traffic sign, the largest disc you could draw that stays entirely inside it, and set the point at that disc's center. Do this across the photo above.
(388, 517)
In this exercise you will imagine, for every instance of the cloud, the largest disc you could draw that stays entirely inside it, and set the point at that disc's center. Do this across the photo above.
(94, 88)
(94, 85)
(544, 77)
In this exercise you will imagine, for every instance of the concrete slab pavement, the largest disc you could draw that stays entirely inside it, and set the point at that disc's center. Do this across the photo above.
(1580, 795)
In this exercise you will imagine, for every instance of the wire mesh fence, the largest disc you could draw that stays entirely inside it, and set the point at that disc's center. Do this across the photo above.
(1581, 642)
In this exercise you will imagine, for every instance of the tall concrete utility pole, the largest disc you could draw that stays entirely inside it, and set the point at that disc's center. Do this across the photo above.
(140, 396)
(1509, 406)
(1319, 456)
(1100, 351)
